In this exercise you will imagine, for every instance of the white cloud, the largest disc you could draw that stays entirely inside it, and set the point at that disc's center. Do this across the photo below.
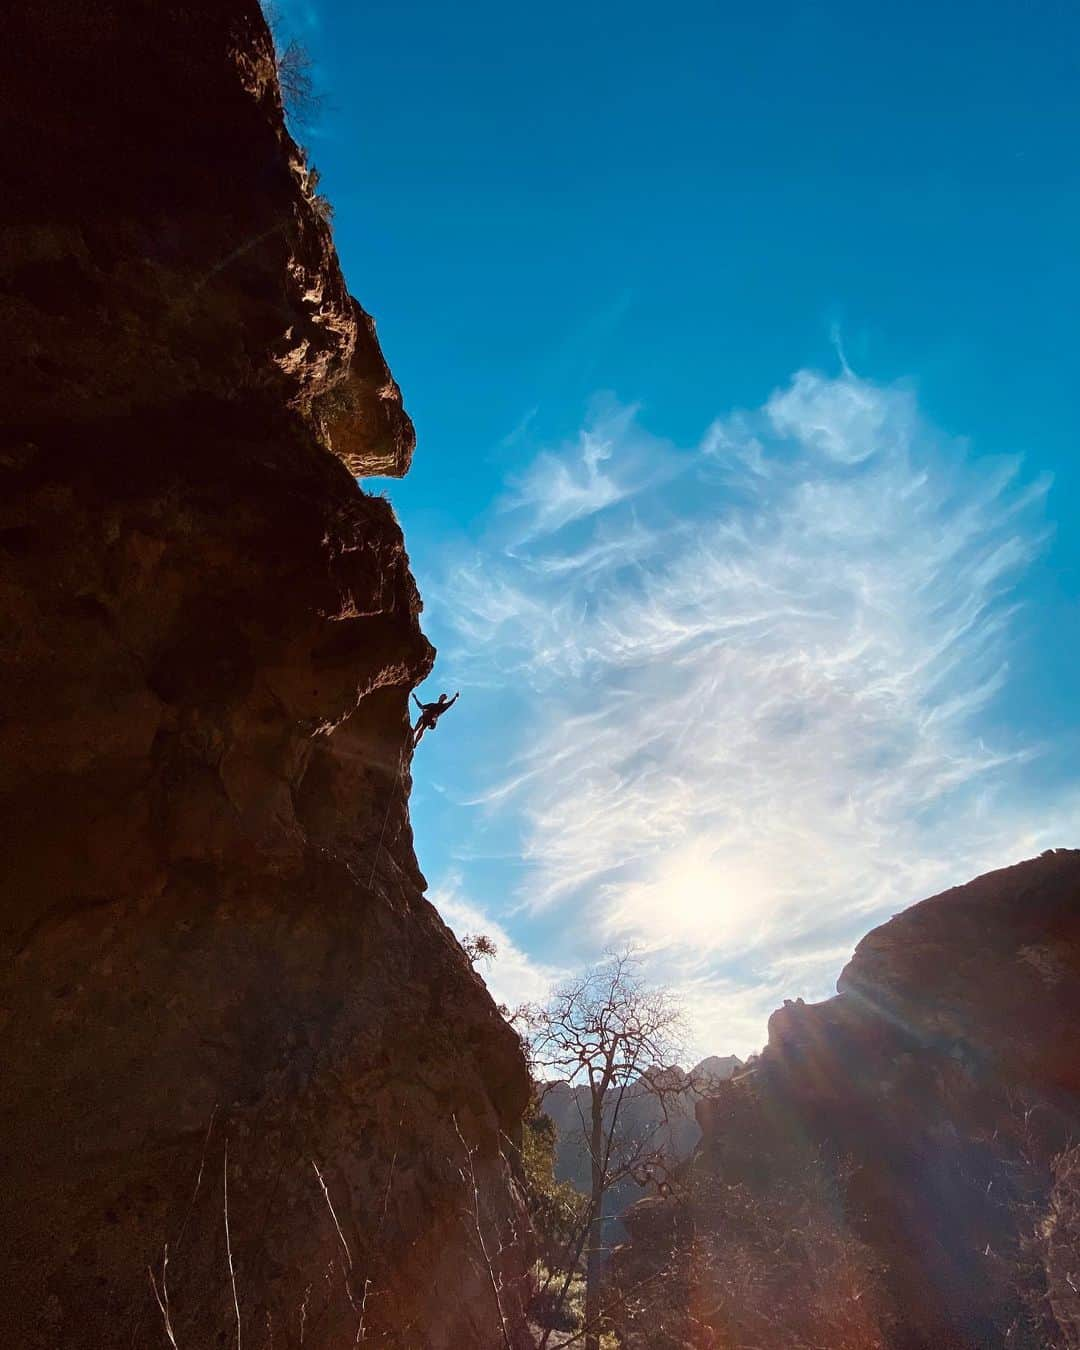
(846, 419)
(518, 432)
(558, 489)
(580, 480)
(511, 975)
(750, 723)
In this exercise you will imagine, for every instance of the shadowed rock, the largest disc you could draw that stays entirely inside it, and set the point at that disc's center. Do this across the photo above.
(213, 922)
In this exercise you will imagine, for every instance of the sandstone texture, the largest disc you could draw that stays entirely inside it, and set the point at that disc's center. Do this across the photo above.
(895, 1168)
(219, 969)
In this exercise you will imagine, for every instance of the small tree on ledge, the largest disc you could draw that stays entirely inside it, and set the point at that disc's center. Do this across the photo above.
(479, 947)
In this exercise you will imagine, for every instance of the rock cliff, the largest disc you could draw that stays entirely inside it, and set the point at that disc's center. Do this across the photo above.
(219, 967)
(893, 1169)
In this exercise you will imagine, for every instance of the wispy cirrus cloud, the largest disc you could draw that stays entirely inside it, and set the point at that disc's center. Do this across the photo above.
(752, 683)
(582, 480)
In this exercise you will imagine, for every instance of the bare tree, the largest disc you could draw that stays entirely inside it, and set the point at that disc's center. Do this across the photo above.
(610, 1032)
(295, 68)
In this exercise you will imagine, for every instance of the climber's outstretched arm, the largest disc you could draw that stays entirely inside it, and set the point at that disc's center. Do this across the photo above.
(454, 699)
(417, 701)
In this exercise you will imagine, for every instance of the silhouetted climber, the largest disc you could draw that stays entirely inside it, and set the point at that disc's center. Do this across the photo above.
(430, 714)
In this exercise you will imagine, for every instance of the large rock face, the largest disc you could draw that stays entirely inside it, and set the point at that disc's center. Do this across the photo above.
(889, 1161)
(219, 966)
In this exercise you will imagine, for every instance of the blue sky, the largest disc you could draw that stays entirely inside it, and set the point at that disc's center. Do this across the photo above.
(741, 343)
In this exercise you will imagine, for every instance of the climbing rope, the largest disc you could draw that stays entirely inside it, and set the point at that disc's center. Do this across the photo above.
(389, 808)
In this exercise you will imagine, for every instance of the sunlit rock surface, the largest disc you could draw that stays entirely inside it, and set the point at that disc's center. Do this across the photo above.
(905, 1132)
(215, 936)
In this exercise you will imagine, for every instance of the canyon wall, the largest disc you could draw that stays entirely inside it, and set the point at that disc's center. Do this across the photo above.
(252, 1088)
(895, 1169)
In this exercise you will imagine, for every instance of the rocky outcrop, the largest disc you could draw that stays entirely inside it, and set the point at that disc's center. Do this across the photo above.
(165, 240)
(219, 967)
(905, 1132)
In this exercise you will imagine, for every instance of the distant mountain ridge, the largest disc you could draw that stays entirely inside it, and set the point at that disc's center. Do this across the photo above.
(641, 1115)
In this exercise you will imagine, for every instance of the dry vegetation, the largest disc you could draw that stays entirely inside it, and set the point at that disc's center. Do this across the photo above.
(776, 1269)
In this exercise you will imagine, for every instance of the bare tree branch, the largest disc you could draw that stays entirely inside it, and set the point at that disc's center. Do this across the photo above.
(609, 1034)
